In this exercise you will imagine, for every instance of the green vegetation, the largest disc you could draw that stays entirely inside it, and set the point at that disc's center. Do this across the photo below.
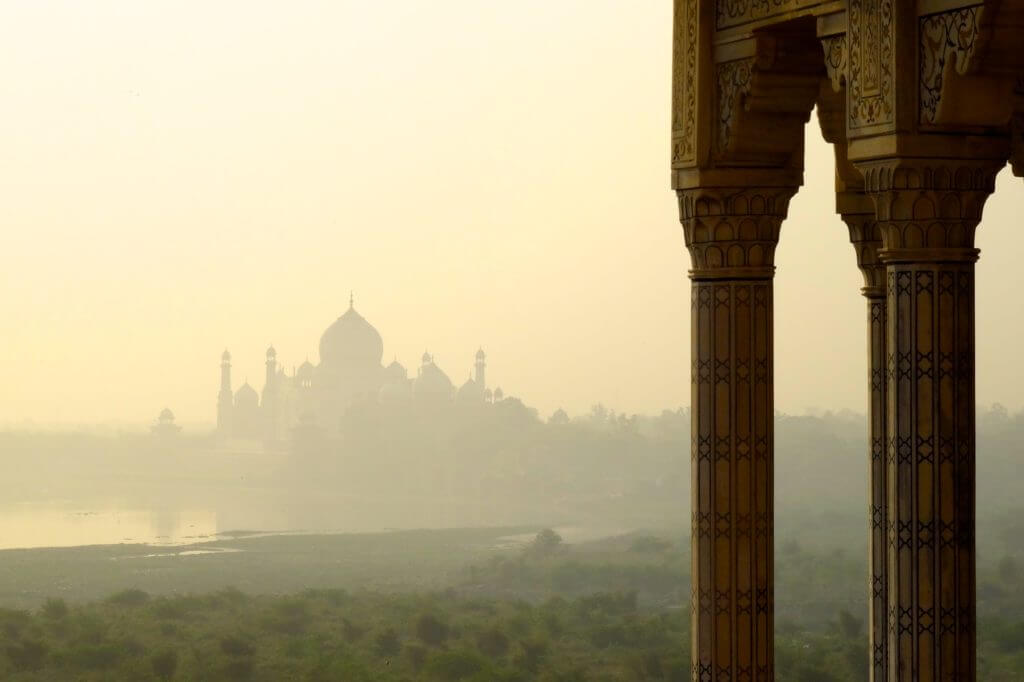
(614, 609)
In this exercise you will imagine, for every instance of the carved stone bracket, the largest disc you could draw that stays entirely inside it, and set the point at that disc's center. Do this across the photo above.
(764, 100)
(733, 83)
(835, 60)
(969, 60)
(947, 44)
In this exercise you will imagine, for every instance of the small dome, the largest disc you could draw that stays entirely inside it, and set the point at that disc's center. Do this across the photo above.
(225, 356)
(426, 358)
(499, 394)
(246, 396)
(271, 353)
(432, 382)
(396, 373)
(166, 415)
(305, 370)
(351, 342)
(469, 392)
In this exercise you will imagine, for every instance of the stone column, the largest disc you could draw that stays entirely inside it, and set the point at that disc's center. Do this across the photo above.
(858, 213)
(927, 213)
(731, 234)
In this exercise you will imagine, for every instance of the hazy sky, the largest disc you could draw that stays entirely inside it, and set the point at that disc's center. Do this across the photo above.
(182, 177)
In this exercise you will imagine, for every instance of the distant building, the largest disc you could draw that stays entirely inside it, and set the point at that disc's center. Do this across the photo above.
(165, 426)
(350, 371)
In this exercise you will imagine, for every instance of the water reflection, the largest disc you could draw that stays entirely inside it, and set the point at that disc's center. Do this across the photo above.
(53, 524)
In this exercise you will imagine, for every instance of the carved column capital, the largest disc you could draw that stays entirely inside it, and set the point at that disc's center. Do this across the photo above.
(928, 209)
(858, 212)
(732, 232)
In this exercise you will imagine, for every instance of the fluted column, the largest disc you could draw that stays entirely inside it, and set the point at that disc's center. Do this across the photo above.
(927, 213)
(858, 212)
(731, 234)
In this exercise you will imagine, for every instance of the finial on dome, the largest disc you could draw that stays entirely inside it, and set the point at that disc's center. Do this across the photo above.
(351, 300)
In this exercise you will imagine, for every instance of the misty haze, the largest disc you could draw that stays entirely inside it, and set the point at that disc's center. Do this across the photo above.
(362, 341)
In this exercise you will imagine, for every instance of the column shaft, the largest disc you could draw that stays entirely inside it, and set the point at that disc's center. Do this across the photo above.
(732, 477)
(878, 586)
(928, 210)
(732, 235)
(931, 472)
(867, 241)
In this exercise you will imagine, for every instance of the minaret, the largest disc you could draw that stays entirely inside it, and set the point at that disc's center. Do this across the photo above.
(268, 383)
(225, 399)
(269, 405)
(481, 367)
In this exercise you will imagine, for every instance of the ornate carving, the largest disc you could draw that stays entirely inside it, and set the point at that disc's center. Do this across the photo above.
(946, 38)
(930, 465)
(870, 98)
(733, 232)
(928, 212)
(835, 59)
(929, 209)
(867, 240)
(733, 83)
(684, 84)
(737, 12)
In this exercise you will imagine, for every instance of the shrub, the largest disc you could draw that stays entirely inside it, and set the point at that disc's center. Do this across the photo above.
(493, 642)
(27, 655)
(431, 630)
(165, 664)
(290, 617)
(55, 609)
(351, 632)
(387, 644)
(546, 542)
(531, 654)
(130, 597)
(455, 665)
(235, 646)
(170, 609)
(239, 669)
(102, 656)
(417, 655)
(12, 622)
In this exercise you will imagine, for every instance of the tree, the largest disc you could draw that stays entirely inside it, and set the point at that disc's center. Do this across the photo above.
(546, 542)
(431, 630)
(165, 664)
(387, 643)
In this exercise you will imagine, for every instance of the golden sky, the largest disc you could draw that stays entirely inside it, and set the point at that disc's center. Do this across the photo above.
(182, 177)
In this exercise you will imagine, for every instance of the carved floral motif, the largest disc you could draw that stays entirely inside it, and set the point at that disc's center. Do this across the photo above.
(949, 37)
(835, 59)
(684, 84)
(733, 84)
(870, 74)
(737, 12)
